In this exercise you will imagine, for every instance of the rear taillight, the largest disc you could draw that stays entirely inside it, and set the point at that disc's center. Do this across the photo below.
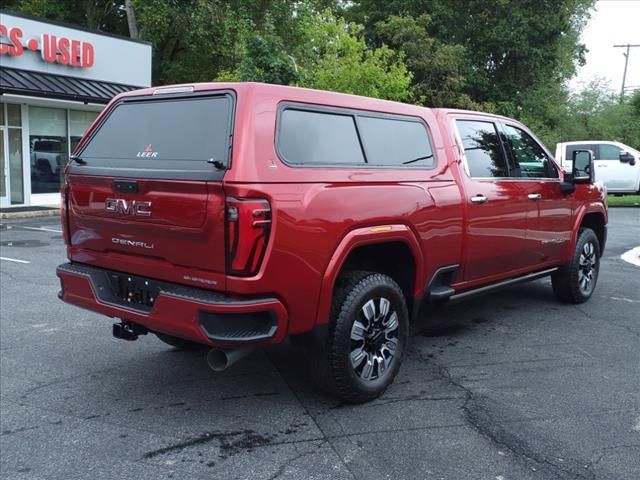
(248, 228)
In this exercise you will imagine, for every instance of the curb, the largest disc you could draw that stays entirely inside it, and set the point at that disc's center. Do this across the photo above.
(53, 212)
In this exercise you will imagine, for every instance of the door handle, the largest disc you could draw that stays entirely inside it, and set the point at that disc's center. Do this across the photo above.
(534, 196)
(479, 199)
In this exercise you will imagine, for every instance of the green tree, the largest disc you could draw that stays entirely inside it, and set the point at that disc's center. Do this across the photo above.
(516, 55)
(596, 113)
(328, 53)
(436, 67)
(105, 15)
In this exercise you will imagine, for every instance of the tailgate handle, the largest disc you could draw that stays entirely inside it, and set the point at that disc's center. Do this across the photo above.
(125, 186)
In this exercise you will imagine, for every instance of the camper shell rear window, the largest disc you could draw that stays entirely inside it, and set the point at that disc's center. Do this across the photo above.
(170, 138)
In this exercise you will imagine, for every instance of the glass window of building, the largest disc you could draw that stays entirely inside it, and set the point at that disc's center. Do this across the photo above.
(48, 148)
(79, 123)
(12, 182)
(15, 165)
(3, 178)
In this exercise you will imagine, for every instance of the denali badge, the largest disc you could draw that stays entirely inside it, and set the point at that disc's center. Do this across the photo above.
(128, 207)
(131, 243)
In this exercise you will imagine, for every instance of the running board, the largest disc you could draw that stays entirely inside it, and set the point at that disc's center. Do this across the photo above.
(502, 284)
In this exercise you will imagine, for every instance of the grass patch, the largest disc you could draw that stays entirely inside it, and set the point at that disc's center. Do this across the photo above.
(624, 201)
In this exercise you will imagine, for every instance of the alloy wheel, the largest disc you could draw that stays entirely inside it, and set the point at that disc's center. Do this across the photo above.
(374, 339)
(588, 268)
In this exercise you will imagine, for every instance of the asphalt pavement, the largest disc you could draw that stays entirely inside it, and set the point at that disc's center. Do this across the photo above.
(512, 385)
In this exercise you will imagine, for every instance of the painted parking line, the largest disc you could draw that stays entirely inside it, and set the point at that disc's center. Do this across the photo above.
(43, 229)
(632, 256)
(13, 260)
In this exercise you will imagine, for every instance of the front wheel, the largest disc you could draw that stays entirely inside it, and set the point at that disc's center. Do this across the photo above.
(575, 281)
(366, 338)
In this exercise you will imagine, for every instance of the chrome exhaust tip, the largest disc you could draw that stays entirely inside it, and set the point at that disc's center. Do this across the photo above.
(219, 360)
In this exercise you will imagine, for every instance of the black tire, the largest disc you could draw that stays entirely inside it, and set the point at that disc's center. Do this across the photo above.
(377, 303)
(179, 343)
(576, 280)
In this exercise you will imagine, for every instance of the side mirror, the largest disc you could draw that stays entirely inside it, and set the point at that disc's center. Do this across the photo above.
(582, 167)
(626, 157)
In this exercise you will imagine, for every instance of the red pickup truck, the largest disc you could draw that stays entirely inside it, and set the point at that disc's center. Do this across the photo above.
(230, 216)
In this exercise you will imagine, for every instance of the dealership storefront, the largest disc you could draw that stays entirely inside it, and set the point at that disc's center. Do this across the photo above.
(54, 80)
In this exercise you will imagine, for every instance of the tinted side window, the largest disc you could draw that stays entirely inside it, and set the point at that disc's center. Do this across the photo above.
(306, 137)
(608, 152)
(482, 147)
(390, 141)
(572, 148)
(531, 161)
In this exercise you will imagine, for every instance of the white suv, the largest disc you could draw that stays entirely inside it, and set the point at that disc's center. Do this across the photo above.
(617, 165)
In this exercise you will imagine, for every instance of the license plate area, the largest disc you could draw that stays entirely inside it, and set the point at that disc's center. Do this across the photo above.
(132, 291)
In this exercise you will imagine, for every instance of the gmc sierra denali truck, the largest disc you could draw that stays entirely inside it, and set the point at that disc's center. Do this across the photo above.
(234, 215)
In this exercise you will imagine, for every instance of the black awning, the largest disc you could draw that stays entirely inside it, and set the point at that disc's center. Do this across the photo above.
(49, 85)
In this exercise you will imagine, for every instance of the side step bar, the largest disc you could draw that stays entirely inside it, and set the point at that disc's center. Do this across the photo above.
(502, 284)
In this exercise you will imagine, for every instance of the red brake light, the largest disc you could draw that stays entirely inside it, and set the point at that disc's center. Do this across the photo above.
(248, 228)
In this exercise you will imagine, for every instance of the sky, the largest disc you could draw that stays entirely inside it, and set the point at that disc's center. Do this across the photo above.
(612, 22)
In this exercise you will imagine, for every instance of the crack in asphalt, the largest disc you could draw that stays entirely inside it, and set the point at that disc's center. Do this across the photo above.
(230, 442)
(19, 429)
(481, 420)
(306, 409)
(282, 468)
(609, 321)
(605, 450)
(392, 400)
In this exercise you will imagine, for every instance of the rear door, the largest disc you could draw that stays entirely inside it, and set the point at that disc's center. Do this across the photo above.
(145, 192)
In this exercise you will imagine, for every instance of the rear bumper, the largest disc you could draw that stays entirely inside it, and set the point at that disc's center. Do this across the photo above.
(186, 312)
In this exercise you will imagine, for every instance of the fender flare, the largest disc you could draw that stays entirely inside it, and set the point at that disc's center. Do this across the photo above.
(368, 236)
(584, 210)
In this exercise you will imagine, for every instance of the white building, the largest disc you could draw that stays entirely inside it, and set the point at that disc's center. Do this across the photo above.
(54, 80)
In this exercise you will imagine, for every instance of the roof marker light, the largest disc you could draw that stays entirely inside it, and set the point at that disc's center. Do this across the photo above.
(164, 91)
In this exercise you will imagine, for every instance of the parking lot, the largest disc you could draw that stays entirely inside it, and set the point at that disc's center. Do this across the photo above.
(512, 385)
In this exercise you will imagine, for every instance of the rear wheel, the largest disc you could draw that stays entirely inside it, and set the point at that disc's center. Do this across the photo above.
(576, 280)
(366, 339)
(180, 343)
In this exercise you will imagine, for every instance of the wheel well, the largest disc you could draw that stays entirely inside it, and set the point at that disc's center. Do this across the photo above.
(392, 258)
(595, 221)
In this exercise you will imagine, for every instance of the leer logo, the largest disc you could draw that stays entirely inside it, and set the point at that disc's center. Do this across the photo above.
(147, 152)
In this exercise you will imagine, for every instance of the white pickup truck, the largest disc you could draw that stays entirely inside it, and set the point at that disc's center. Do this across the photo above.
(616, 165)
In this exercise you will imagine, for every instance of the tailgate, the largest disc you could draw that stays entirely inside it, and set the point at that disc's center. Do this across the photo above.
(145, 188)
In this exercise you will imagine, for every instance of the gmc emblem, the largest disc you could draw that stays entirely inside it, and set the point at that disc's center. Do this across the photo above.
(128, 207)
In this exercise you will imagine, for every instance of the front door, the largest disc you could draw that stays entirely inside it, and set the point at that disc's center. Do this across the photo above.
(496, 206)
(549, 218)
